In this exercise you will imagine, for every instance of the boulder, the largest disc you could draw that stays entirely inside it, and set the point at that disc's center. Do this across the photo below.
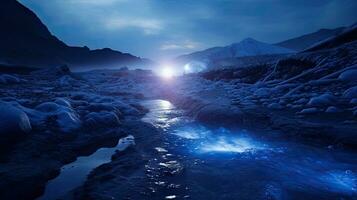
(349, 76)
(351, 93)
(332, 109)
(101, 119)
(14, 123)
(322, 100)
(9, 79)
(309, 111)
(275, 106)
(262, 92)
(66, 118)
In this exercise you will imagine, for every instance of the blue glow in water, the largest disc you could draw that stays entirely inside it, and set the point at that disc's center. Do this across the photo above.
(343, 181)
(280, 168)
(219, 140)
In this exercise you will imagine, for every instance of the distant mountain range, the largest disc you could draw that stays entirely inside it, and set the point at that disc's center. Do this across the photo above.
(253, 52)
(25, 40)
(244, 48)
(349, 34)
(305, 41)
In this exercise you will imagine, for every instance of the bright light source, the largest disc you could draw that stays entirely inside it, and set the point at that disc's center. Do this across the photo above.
(167, 72)
(187, 68)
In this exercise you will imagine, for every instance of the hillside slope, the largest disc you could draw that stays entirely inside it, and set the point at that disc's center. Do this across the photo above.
(25, 40)
(305, 41)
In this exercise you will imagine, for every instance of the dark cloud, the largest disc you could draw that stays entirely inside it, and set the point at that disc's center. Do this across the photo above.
(164, 28)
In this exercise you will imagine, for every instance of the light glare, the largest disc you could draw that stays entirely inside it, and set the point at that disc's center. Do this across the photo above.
(167, 72)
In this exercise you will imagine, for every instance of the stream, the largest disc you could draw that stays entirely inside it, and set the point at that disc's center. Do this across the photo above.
(197, 161)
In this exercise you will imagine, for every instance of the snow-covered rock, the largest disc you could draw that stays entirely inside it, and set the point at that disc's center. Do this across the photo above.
(66, 80)
(309, 111)
(66, 118)
(53, 71)
(322, 100)
(275, 106)
(351, 93)
(101, 119)
(353, 101)
(63, 102)
(349, 76)
(98, 107)
(301, 101)
(13, 122)
(9, 79)
(332, 109)
(262, 92)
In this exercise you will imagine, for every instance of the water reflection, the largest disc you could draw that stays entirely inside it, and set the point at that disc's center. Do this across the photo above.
(74, 174)
(262, 168)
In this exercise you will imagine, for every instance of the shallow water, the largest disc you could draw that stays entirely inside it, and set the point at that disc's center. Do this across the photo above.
(218, 163)
(196, 161)
(74, 174)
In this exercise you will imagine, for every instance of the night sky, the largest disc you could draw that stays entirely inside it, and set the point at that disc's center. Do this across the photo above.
(160, 29)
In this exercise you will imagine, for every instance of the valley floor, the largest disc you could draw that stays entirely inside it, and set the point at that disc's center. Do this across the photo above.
(213, 136)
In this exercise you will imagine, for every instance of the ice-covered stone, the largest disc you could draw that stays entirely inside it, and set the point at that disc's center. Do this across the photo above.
(262, 92)
(68, 121)
(349, 76)
(66, 118)
(13, 122)
(332, 109)
(48, 107)
(322, 100)
(102, 119)
(309, 111)
(275, 106)
(63, 102)
(351, 93)
(353, 101)
(9, 79)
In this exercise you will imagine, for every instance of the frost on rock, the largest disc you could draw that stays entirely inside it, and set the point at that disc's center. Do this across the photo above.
(332, 109)
(66, 80)
(13, 122)
(262, 92)
(275, 106)
(309, 111)
(322, 100)
(351, 93)
(66, 118)
(349, 76)
(101, 119)
(9, 79)
(353, 101)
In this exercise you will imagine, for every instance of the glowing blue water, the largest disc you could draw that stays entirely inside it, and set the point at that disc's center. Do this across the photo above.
(221, 163)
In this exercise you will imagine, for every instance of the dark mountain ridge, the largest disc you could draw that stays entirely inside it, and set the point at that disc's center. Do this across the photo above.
(302, 42)
(25, 40)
